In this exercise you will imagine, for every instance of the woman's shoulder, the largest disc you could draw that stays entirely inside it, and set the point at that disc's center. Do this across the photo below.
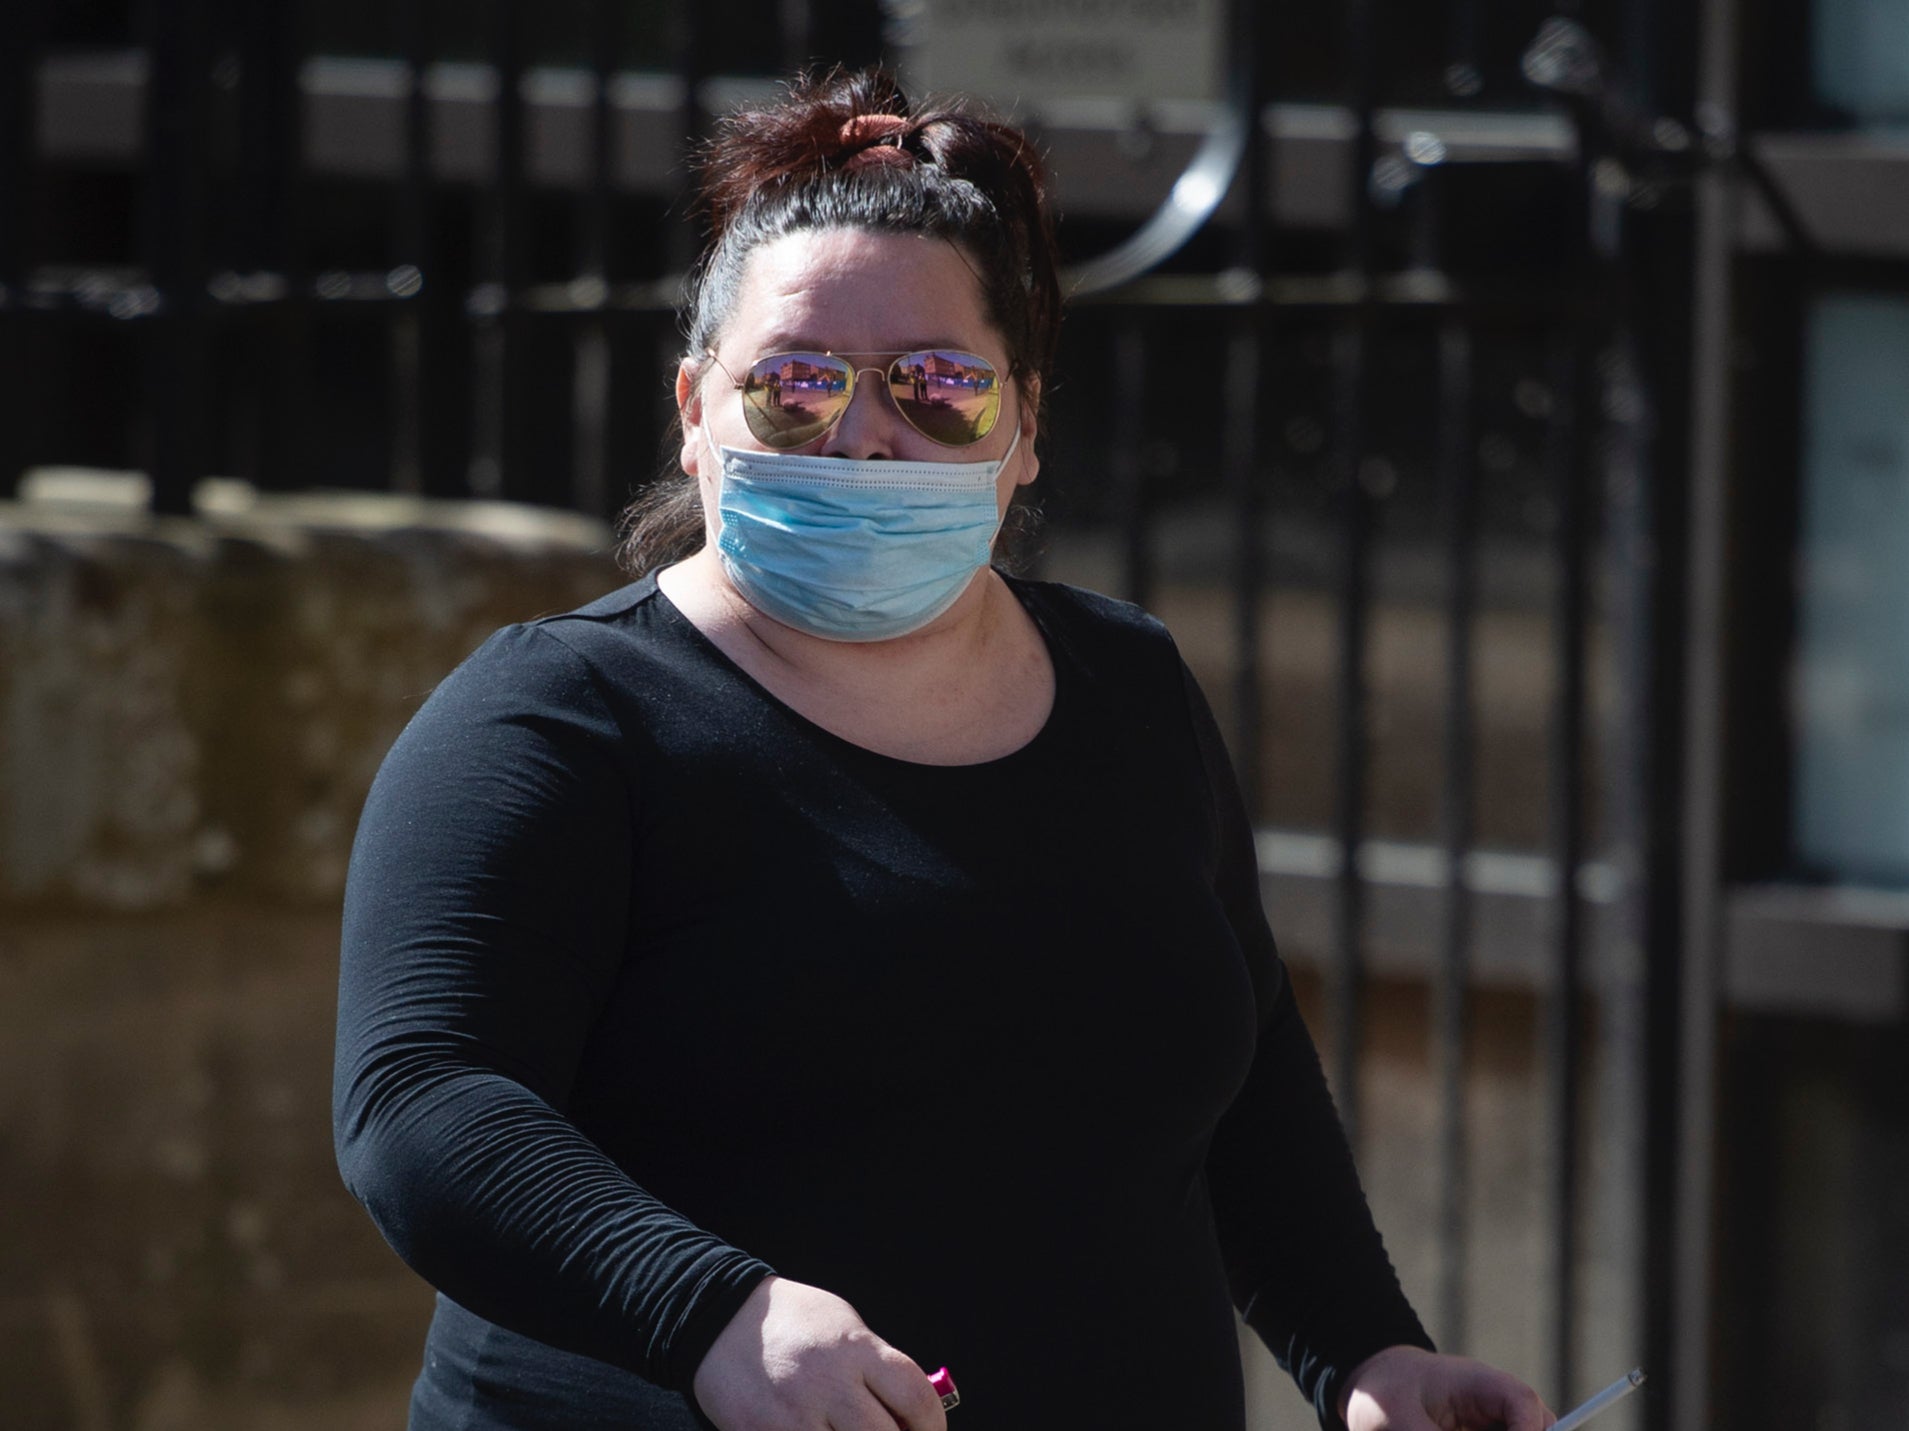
(615, 614)
(559, 660)
(1098, 621)
(616, 626)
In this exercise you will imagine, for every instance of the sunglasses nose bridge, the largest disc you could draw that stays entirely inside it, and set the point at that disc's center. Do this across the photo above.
(881, 381)
(849, 425)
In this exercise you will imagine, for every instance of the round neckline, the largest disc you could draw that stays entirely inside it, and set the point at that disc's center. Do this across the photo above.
(1026, 750)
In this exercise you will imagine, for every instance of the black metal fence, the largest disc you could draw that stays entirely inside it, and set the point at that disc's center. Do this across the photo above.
(1444, 346)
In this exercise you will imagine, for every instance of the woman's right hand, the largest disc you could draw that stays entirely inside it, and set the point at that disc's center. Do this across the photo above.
(797, 1358)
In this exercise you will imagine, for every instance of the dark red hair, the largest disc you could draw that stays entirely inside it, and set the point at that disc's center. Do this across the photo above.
(848, 150)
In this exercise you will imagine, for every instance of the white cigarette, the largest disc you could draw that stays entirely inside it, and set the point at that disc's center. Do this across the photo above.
(1616, 1391)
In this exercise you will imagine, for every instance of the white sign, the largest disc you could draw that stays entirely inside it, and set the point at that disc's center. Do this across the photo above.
(1018, 53)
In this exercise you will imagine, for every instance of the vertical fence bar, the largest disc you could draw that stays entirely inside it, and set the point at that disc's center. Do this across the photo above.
(19, 61)
(1245, 411)
(692, 61)
(413, 275)
(1574, 380)
(273, 145)
(1244, 367)
(178, 50)
(1642, 292)
(1452, 1031)
(1457, 799)
(1703, 736)
(499, 461)
(250, 389)
(1640, 803)
(796, 21)
(1126, 467)
(1464, 75)
(1353, 352)
(590, 392)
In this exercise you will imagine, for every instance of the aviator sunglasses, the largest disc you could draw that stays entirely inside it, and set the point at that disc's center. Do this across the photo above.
(948, 396)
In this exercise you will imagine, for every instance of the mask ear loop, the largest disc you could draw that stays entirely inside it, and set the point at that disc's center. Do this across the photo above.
(1014, 446)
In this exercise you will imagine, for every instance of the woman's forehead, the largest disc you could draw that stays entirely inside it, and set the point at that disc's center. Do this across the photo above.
(855, 289)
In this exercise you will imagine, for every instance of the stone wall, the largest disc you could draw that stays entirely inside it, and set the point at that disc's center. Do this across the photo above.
(190, 715)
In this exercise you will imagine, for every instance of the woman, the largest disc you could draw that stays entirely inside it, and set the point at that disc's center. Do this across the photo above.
(830, 956)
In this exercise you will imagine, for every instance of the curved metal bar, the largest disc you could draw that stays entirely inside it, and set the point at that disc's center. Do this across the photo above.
(1195, 195)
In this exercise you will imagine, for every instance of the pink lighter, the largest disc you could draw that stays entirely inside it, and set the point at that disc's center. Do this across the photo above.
(945, 1388)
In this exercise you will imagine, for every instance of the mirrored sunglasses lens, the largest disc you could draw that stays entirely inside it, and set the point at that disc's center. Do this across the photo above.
(792, 398)
(951, 397)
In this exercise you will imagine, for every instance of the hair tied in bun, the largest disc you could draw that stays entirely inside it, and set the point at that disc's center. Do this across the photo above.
(876, 139)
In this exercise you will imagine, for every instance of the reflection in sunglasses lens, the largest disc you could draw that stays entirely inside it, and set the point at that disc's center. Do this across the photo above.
(794, 398)
(951, 397)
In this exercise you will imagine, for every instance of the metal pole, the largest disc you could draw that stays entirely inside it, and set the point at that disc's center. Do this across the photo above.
(1648, 346)
(692, 57)
(1574, 379)
(178, 51)
(590, 393)
(1464, 76)
(412, 271)
(1353, 347)
(272, 147)
(1457, 797)
(1245, 413)
(1245, 352)
(1452, 1036)
(1579, 355)
(1127, 470)
(499, 459)
(796, 21)
(18, 61)
(1703, 737)
(1628, 1225)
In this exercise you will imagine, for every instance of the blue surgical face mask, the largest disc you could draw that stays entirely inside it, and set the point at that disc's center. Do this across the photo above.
(851, 549)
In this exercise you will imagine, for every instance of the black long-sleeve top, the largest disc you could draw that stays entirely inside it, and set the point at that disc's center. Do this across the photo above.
(650, 986)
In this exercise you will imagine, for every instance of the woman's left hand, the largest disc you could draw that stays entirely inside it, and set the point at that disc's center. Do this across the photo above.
(1408, 1389)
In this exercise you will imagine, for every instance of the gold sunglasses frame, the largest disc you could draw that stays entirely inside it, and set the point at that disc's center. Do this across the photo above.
(848, 393)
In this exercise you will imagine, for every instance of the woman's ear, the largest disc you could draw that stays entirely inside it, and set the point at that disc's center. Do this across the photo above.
(689, 407)
(1030, 426)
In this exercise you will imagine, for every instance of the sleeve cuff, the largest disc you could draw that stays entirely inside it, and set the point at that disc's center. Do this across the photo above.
(1320, 1362)
(1332, 1381)
(713, 1306)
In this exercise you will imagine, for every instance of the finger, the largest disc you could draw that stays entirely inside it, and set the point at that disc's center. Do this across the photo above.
(864, 1414)
(1524, 1409)
(1404, 1417)
(1496, 1398)
(904, 1389)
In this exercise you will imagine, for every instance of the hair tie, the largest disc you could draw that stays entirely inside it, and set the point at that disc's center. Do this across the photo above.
(869, 136)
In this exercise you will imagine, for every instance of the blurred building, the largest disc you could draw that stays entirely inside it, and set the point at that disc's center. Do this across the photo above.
(1512, 425)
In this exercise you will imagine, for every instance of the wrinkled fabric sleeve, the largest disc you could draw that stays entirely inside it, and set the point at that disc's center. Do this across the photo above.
(486, 916)
(1306, 1265)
